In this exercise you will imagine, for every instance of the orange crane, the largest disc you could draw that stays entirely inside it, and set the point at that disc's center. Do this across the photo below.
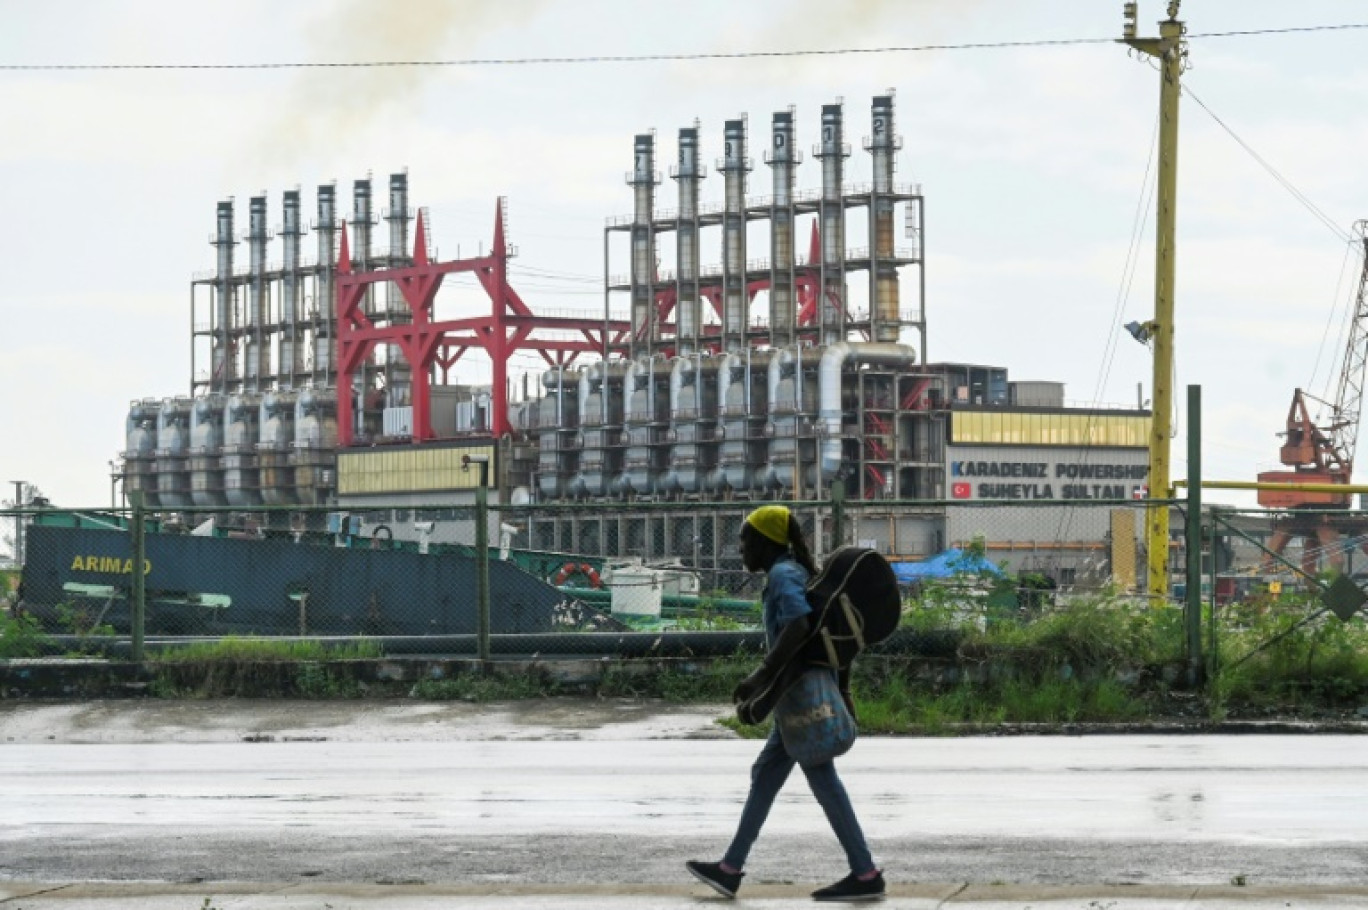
(1324, 454)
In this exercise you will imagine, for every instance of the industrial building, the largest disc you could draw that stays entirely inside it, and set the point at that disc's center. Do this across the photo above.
(712, 387)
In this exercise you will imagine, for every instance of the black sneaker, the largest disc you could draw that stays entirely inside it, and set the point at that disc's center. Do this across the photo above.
(852, 889)
(714, 876)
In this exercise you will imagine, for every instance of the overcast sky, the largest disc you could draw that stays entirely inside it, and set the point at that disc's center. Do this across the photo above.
(1032, 161)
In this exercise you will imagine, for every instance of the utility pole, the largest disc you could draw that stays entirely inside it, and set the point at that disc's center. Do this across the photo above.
(1171, 51)
(18, 523)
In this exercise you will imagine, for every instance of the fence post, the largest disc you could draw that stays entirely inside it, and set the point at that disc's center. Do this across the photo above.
(1192, 612)
(138, 581)
(482, 563)
(837, 515)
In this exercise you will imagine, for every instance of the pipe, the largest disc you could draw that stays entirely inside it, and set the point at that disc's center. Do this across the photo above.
(735, 301)
(782, 157)
(363, 381)
(885, 321)
(643, 179)
(905, 640)
(257, 362)
(325, 304)
(834, 360)
(206, 442)
(832, 151)
(785, 456)
(223, 358)
(398, 372)
(688, 303)
(291, 368)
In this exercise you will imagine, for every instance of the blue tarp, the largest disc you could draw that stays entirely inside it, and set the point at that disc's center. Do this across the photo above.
(944, 565)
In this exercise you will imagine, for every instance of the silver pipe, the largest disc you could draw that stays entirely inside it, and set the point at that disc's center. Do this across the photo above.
(783, 156)
(362, 220)
(257, 362)
(223, 359)
(885, 321)
(398, 372)
(206, 442)
(834, 359)
(560, 395)
(325, 305)
(291, 356)
(643, 180)
(688, 312)
(832, 151)
(735, 301)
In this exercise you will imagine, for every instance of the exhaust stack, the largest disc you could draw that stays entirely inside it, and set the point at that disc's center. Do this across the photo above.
(325, 304)
(291, 356)
(832, 151)
(643, 180)
(783, 156)
(258, 363)
(398, 373)
(223, 354)
(883, 271)
(735, 301)
(688, 306)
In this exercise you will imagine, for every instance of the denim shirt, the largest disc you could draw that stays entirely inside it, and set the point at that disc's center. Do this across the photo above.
(784, 597)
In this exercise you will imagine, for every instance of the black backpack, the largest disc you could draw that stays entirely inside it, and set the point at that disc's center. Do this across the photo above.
(855, 603)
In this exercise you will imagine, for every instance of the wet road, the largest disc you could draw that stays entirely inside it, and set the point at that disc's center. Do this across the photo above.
(565, 793)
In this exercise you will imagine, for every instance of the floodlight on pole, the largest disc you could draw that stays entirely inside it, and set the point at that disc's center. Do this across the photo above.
(1141, 331)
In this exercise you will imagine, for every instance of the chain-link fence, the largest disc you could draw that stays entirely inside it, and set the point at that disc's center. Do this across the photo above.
(1282, 588)
(594, 578)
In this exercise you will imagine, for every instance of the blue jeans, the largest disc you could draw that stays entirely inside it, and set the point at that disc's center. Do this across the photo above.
(768, 774)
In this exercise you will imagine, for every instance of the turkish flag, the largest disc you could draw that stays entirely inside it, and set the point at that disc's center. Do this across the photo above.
(961, 490)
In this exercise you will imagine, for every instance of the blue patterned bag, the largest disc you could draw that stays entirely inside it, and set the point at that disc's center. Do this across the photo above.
(813, 720)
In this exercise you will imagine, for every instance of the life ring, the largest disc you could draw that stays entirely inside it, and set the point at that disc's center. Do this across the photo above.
(582, 568)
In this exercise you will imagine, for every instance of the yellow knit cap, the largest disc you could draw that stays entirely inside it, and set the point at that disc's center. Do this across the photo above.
(772, 521)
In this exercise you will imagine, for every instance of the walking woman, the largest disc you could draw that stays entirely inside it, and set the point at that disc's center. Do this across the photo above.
(772, 542)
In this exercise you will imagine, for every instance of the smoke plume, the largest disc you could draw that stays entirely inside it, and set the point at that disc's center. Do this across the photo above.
(323, 105)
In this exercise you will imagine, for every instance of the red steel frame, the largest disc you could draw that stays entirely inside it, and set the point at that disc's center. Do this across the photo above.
(805, 289)
(509, 327)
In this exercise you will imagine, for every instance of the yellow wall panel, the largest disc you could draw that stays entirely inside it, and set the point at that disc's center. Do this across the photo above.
(415, 470)
(1015, 428)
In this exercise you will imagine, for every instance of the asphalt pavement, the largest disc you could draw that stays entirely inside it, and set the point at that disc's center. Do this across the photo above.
(586, 803)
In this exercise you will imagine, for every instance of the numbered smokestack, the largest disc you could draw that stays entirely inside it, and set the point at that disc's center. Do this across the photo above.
(735, 303)
(783, 156)
(362, 219)
(325, 306)
(257, 235)
(832, 150)
(643, 180)
(883, 144)
(222, 359)
(688, 307)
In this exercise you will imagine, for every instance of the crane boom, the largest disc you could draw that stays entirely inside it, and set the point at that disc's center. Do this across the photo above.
(1348, 406)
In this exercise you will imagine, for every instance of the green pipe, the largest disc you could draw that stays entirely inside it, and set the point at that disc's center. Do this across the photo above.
(676, 601)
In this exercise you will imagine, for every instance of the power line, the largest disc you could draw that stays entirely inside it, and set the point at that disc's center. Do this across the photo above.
(1340, 234)
(654, 58)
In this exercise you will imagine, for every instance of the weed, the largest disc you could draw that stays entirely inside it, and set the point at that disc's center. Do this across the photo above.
(482, 687)
(1270, 658)
(682, 681)
(20, 636)
(314, 680)
(162, 686)
(746, 731)
(239, 650)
